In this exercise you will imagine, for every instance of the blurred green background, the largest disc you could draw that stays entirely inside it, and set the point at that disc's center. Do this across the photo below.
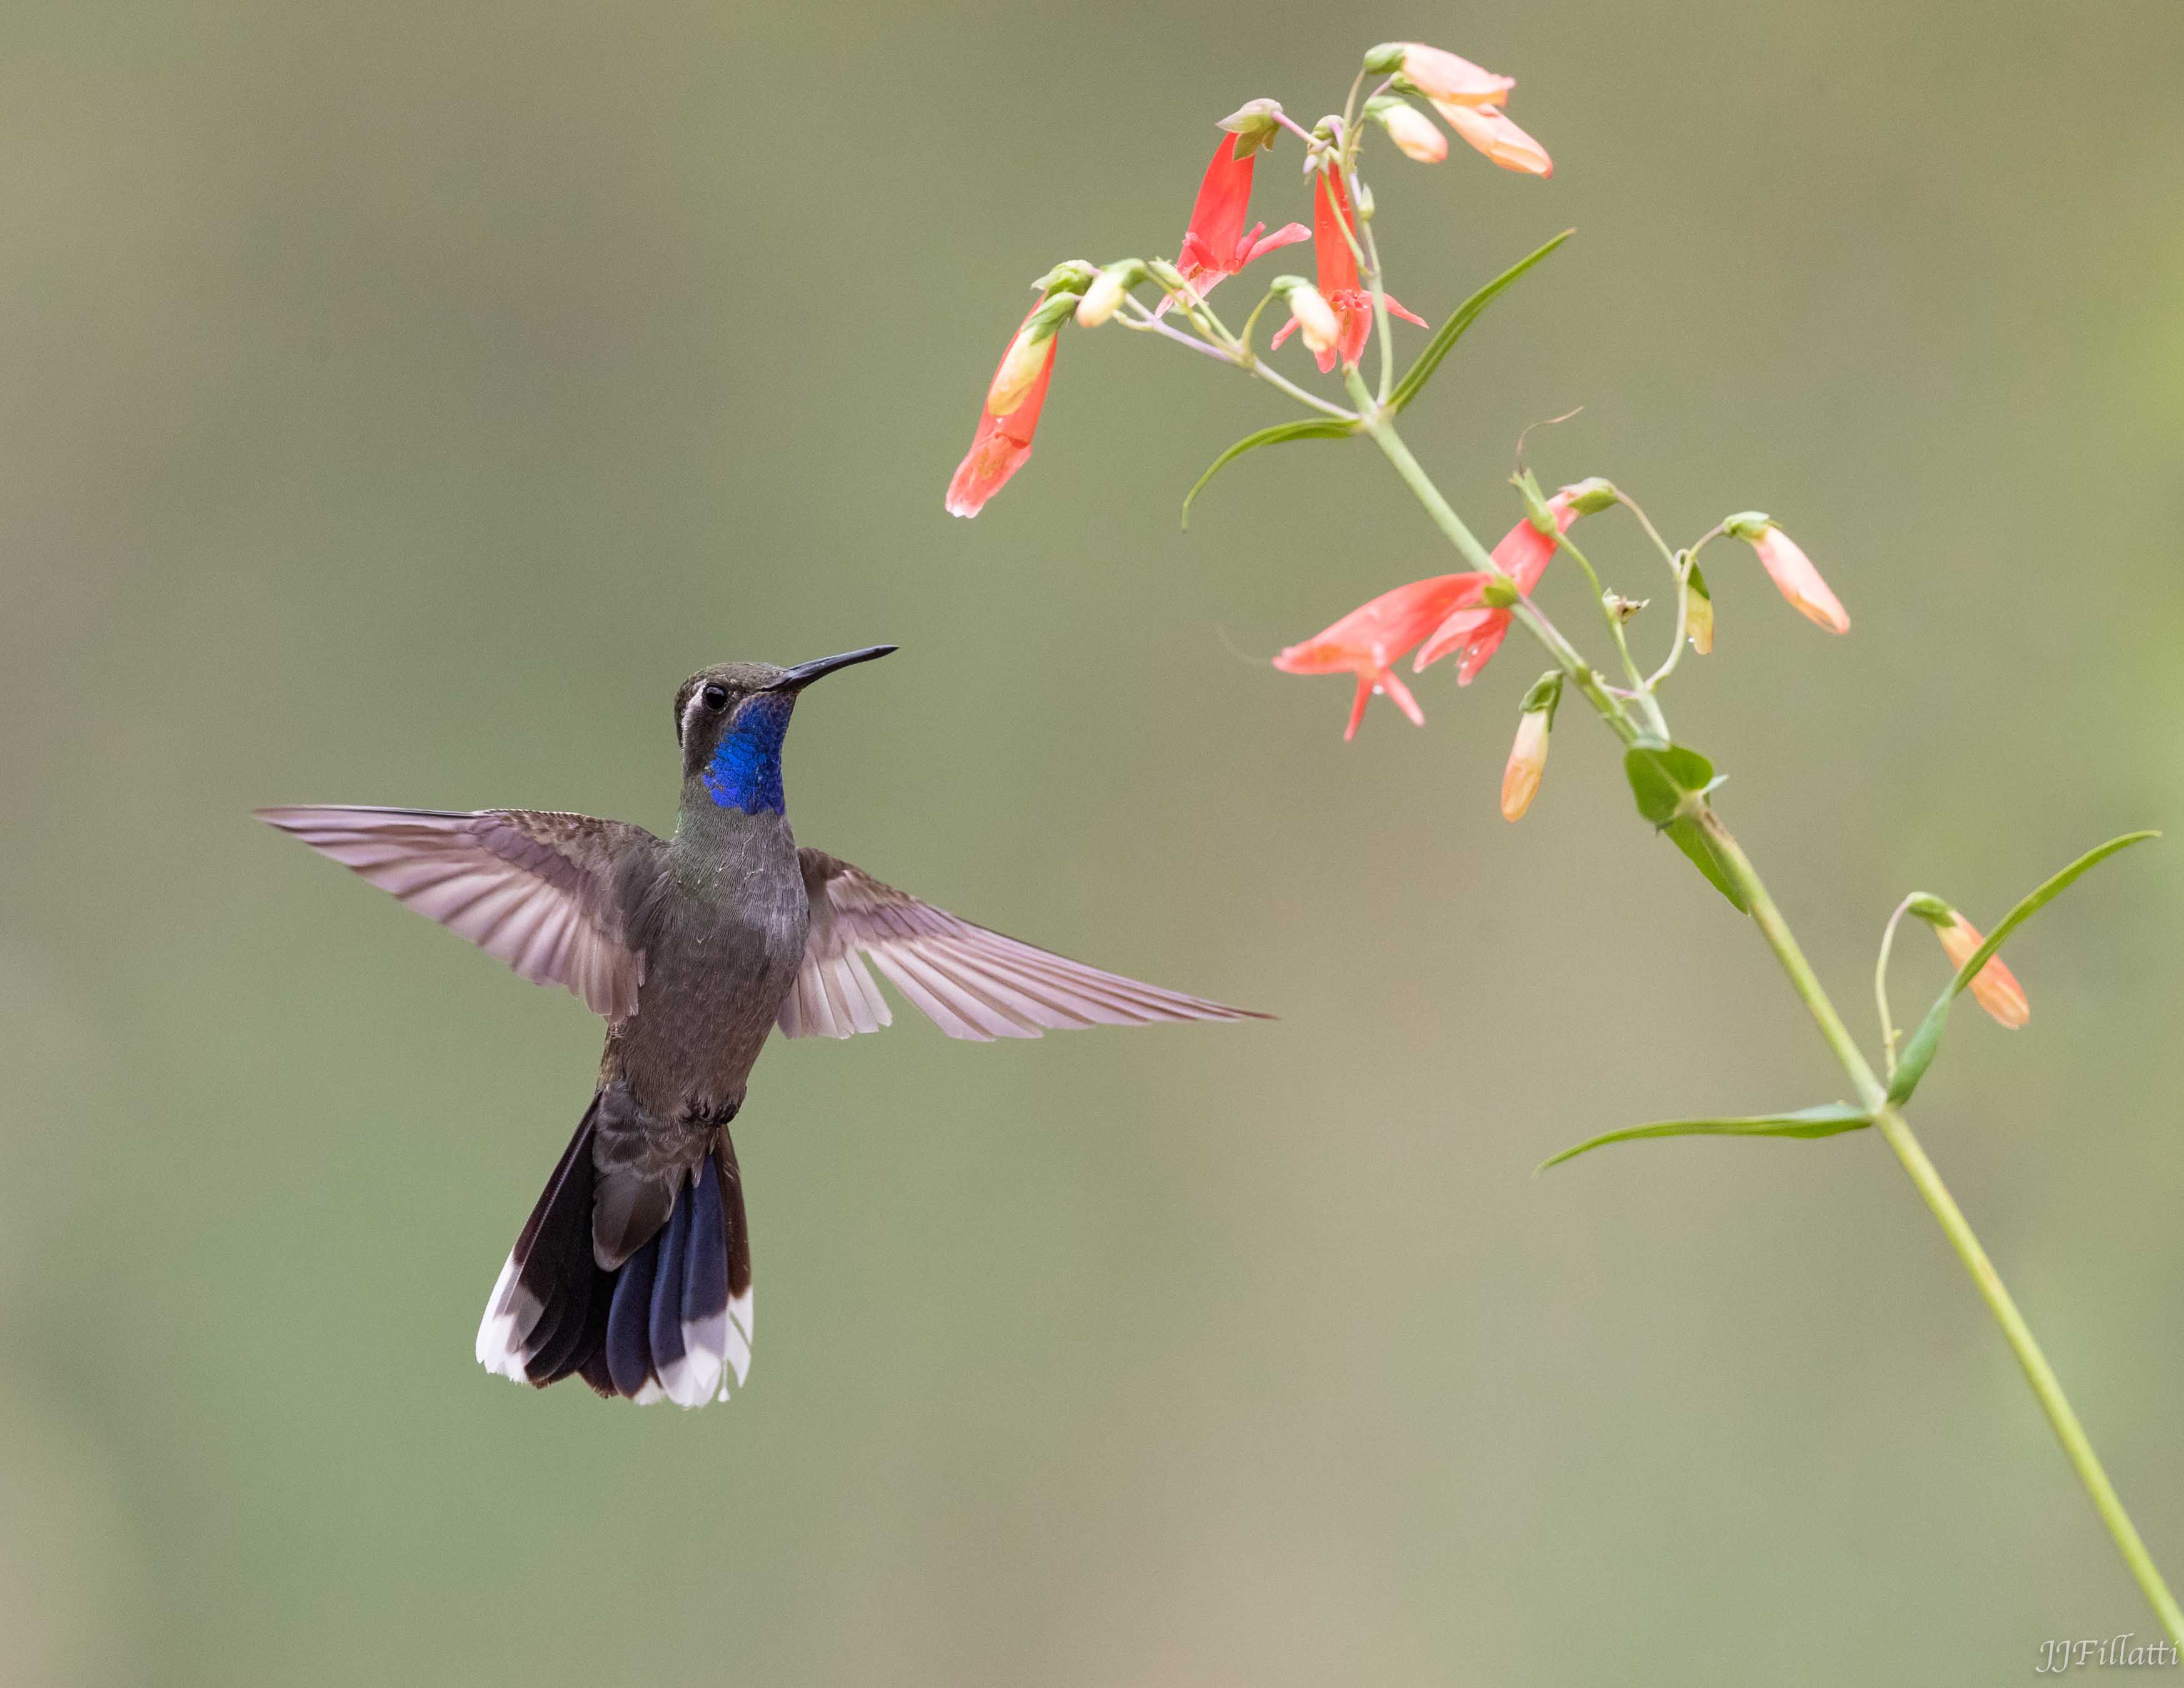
(402, 399)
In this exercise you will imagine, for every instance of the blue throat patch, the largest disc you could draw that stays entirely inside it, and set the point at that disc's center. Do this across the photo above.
(745, 771)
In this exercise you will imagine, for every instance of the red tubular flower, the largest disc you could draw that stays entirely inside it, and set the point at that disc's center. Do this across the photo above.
(1338, 276)
(1475, 631)
(1371, 639)
(1217, 243)
(1003, 441)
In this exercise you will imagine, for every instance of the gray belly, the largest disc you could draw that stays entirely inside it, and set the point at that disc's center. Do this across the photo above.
(721, 960)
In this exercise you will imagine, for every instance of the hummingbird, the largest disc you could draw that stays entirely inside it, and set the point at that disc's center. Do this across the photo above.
(633, 1270)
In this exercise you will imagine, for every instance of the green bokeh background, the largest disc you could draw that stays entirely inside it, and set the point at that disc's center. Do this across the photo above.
(401, 399)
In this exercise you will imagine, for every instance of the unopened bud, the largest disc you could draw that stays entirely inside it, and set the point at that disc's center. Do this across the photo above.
(1790, 569)
(1022, 366)
(1994, 987)
(1623, 608)
(1317, 323)
(1528, 763)
(1104, 297)
(1437, 74)
(1415, 135)
(1698, 611)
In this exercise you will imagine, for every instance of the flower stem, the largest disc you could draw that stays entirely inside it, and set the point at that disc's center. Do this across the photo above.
(2047, 1388)
(1144, 323)
(1873, 1095)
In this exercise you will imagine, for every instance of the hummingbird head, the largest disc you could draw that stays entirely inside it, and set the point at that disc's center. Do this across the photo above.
(730, 720)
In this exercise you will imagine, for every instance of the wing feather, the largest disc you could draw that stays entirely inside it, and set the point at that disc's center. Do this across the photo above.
(971, 982)
(549, 894)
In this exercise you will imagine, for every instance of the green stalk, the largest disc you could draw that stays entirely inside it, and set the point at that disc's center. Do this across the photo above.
(2047, 1388)
(1872, 1093)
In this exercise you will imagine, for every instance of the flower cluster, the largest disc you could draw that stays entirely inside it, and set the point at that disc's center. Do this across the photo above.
(1341, 313)
(1334, 314)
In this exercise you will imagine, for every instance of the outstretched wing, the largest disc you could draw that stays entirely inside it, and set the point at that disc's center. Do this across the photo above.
(542, 891)
(970, 982)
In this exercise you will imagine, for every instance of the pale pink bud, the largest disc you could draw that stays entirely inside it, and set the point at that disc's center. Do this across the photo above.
(1492, 133)
(1793, 573)
(1022, 366)
(1439, 75)
(1101, 300)
(1994, 987)
(1315, 319)
(1528, 762)
(1414, 133)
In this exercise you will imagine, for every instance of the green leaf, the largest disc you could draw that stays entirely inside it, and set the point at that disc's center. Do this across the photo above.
(1328, 428)
(1918, 1051)
(1830, 1121)
(1689, 836)
(1662, 776)
(1666, 780)
(1416, 376)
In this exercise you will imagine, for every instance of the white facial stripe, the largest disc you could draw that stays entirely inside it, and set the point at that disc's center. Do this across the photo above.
(690, 711)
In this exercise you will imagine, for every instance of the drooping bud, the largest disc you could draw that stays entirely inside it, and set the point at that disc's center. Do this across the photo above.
(1320, 328)
(1698, 611)
(1790, 569)
(1489, 131)
(1109, 289)
(1994, 987)
(1528, 756)
(1437, 74)
(1255, 124)
(1414, 133)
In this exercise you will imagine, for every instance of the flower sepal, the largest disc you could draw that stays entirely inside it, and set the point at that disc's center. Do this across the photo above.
(1255, 124)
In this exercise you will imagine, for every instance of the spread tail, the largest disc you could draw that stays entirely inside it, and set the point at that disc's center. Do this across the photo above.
(669, 1323)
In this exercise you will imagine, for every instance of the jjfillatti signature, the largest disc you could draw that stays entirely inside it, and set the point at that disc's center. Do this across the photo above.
(2060, 1654)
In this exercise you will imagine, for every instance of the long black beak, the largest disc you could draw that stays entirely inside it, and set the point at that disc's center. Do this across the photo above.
(805, 673)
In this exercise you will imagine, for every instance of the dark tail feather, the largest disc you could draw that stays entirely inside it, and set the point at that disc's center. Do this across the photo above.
(670, 1323)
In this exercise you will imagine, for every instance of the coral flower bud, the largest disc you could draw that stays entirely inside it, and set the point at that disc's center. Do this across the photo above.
(1101, 300)
(1439, 75)
(1412, 131)
(1487, 129)
(1994, 986)
(1791, 570)
(1315, 319)
(1528, 756)
(1022, 366)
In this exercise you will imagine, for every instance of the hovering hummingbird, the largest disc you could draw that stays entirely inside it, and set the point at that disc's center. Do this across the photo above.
(633, 1270)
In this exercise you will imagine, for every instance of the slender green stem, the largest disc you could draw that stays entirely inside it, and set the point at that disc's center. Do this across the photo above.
(2037, 1371)
(1880, 984)
(1144, 323)
(1873, 1095)
(1641, 692)
(2047, 1388)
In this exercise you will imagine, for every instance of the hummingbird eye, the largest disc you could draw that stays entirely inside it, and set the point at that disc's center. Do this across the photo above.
(717, 698)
